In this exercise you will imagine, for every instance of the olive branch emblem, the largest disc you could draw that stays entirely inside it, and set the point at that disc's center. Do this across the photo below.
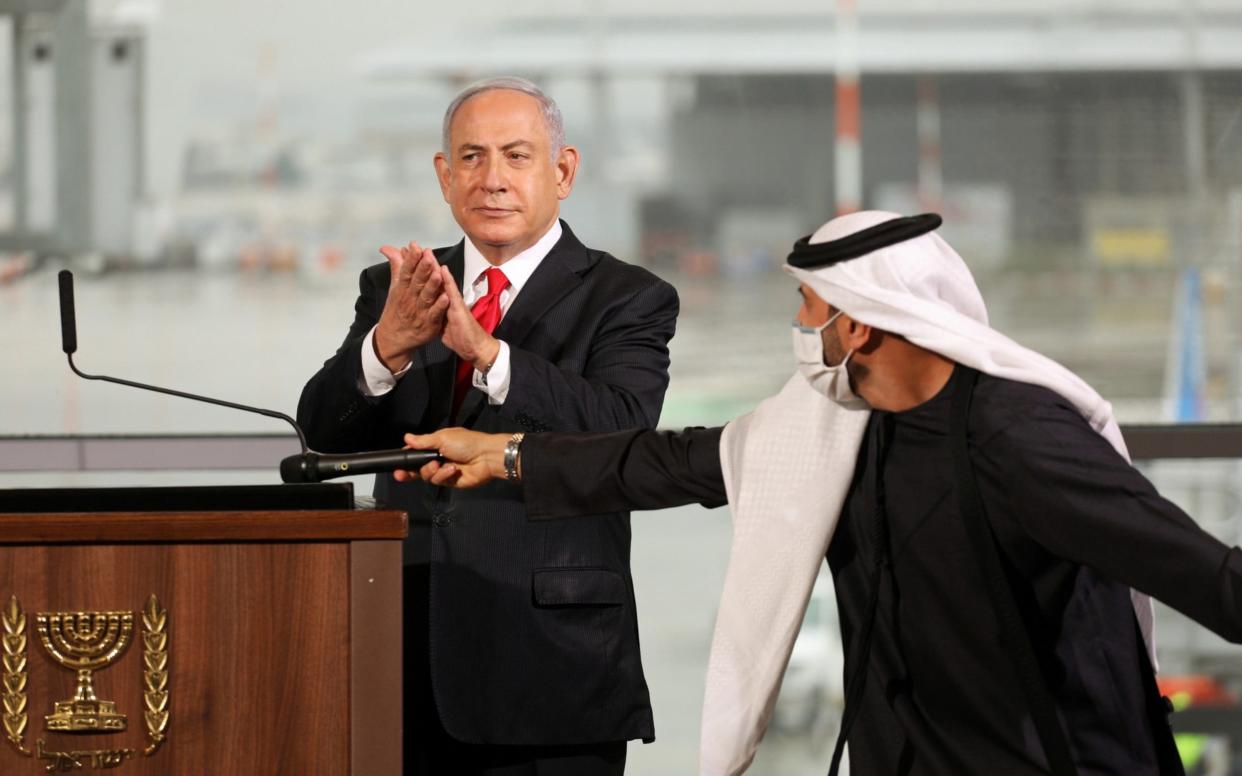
(155, 673)
(13, 678)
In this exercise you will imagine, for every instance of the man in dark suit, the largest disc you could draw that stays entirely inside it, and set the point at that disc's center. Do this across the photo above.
(522, 649)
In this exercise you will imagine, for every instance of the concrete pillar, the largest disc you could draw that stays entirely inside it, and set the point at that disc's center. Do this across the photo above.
(18, 90)
(71, 55)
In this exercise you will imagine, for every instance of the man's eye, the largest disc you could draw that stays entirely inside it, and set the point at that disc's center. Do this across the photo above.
(469, 157)
(518, 156)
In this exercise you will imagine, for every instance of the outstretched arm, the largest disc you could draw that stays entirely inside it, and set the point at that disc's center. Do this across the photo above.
(564, 475)
(1076, 496)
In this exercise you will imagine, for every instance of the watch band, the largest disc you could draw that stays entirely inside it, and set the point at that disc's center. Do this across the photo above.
(513, 450)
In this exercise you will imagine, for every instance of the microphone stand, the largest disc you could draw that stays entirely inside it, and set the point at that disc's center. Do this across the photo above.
(310, 466)
(69, 343)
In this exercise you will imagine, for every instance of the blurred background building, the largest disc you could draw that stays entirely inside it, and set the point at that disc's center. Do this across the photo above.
(218, 173)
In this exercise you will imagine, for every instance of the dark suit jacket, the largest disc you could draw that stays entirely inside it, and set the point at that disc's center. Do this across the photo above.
(533, 635)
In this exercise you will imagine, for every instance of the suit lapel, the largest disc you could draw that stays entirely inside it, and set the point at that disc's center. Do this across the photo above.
(455, 259)
(559, 273)
(470, 407)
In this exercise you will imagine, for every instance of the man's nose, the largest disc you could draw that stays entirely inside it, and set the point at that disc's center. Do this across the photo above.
(494, 179)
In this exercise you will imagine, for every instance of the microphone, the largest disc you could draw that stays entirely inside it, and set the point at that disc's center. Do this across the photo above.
(68, 322)
(309, 466)
(315, 467)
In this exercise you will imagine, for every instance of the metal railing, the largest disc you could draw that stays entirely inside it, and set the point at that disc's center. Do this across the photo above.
(185, 452)
(189, 452)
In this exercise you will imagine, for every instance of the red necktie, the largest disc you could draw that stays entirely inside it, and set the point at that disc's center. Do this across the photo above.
(486, 311)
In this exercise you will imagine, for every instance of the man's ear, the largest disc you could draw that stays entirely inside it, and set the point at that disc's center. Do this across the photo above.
(443, 173)
(859, 336)
(872, 340)
(566, 170)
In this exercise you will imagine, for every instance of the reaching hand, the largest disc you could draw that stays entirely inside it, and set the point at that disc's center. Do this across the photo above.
(462, 333)
(471, 458)
(413, 314)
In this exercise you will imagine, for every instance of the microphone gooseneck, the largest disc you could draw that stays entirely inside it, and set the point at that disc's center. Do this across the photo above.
(69, 343)
(309, 466)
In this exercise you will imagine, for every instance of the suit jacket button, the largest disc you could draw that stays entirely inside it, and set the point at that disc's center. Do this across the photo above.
(441, 520)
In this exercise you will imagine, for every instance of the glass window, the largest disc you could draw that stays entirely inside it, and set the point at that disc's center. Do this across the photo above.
(217, 176)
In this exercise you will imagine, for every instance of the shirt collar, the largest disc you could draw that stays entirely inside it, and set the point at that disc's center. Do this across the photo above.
(517, 269)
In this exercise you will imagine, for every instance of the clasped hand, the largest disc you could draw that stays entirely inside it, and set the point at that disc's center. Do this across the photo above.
(424, 303)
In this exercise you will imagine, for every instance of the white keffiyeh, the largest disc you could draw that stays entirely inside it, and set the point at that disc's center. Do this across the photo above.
(788, 465)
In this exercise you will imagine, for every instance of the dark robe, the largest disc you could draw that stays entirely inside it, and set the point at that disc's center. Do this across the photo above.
(1075, 524)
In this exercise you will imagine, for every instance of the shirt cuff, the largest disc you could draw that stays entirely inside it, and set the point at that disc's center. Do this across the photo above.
(496, 382)
(375, 379)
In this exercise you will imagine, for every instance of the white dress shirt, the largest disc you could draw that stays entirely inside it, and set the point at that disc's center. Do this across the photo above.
(377, 380)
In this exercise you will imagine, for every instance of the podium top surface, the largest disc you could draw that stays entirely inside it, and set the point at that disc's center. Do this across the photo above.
(201, 498)
(186, 515)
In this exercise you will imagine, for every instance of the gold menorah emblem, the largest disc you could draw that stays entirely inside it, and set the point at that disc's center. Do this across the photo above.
(85, 642)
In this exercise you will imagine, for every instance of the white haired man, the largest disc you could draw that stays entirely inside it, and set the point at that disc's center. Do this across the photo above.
(521, 638)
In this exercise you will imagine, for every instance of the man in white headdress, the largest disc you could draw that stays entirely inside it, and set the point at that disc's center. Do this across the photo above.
(989, 540)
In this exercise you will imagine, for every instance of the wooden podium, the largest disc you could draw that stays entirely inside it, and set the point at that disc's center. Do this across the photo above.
(253, 642)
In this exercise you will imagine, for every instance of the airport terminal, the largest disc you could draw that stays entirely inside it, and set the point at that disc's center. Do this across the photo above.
(218, 178)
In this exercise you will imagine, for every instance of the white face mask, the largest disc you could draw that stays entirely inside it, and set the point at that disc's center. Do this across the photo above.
(831, 381)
